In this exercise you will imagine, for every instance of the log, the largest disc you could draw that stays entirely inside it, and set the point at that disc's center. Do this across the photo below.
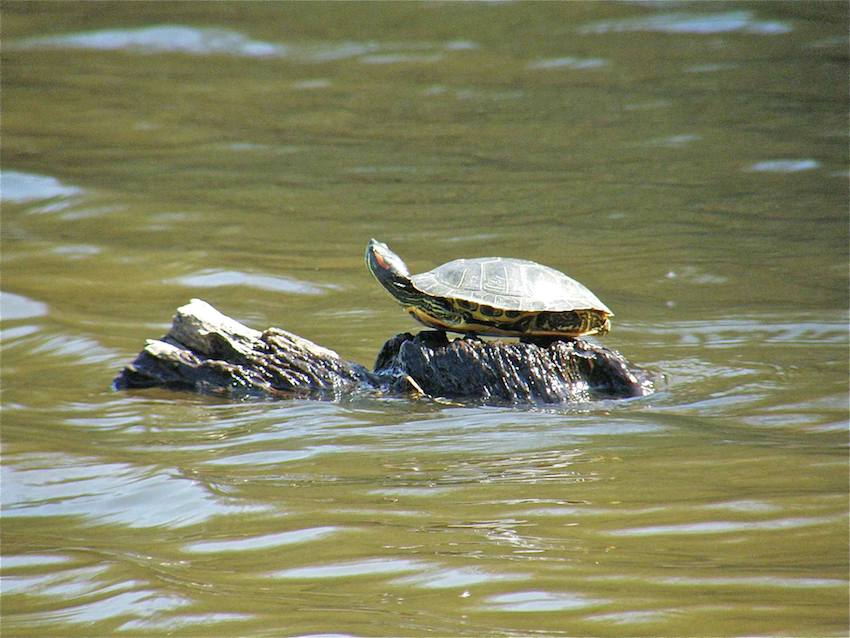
(497, 372)
(207, 351)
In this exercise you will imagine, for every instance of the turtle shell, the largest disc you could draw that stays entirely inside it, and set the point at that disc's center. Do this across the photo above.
(508, 284)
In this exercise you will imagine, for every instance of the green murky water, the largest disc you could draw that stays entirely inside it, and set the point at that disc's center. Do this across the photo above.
(687, 161)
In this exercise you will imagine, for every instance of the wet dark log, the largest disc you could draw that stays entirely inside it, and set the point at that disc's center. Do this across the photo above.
(206, 351)
(512, 372)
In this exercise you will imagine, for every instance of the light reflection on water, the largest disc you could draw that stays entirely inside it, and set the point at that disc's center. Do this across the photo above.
(14, 307)
(166, 38)
(56, 486)
(218, 278)
(683, 163)
(17, 186)
(696, 23)
(255, 543)
(538, 601)
(212, 41)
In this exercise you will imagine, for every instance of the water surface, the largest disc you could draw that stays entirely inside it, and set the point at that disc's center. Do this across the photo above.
(686, 161)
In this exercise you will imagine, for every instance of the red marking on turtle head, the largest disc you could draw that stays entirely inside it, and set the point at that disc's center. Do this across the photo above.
(380, 260)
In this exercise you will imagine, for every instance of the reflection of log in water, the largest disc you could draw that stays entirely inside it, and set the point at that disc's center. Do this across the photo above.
(206, 351)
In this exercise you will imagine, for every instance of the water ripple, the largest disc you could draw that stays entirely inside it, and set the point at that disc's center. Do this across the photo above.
(265, 457)
(447, 578)
(65, 583)
(744, 330)
(88, 598)
(752, 581)
(401, 58)
(784, 166)
(366, 567)
(171, 623)
(567, 62)
(60, 485)
(15, 561)
(158, 39)
(722, 527)
(630, 617)
(138, 603)
(212, 278)
(542, 601)
(82, 349)
(17, 187)
(253, 543)
(742, 581)
(174, 38)
(696, 23)
(14, 306)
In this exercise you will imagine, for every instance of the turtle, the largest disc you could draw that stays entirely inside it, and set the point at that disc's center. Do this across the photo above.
(492, 296)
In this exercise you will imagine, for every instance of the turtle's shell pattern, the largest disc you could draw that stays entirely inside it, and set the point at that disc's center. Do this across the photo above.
(508, 284)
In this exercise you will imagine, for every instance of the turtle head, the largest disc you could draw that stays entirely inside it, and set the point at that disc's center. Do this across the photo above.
(384, 263)
(388, 269)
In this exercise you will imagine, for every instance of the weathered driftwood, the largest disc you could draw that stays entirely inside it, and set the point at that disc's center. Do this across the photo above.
(206, 351)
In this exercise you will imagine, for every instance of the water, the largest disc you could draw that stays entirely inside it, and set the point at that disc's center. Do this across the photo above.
(686, 161)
